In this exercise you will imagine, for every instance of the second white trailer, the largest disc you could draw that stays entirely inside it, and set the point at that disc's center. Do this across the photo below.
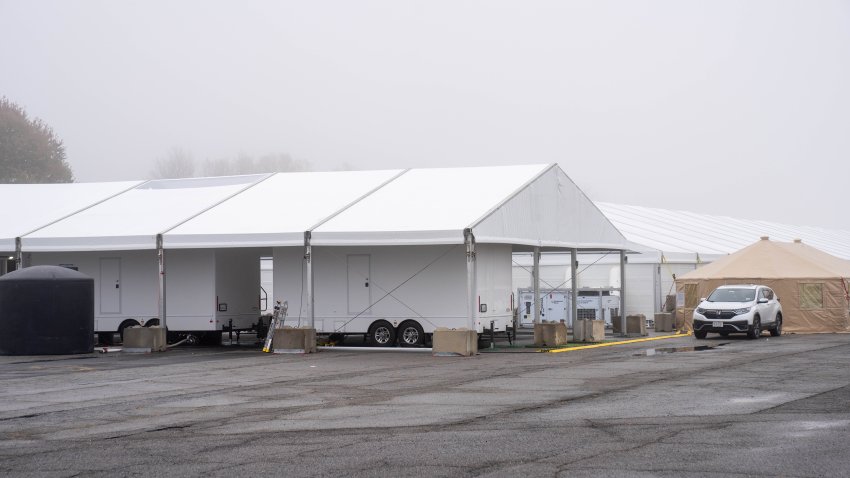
(395, 294)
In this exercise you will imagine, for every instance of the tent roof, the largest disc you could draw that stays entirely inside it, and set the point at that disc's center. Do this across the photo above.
(768, 259)
(132, 220)
(532, 205)
(276, 211)
(27, 207)
(688, 232)
(528, 205)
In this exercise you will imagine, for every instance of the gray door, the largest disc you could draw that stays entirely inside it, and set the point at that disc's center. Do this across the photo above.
(359, 295)
(110, 285)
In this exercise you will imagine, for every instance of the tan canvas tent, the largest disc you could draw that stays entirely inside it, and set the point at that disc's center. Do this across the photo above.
(812, 285)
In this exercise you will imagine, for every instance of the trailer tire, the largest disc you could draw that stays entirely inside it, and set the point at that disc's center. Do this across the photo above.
(152, 323)
(410, 334)
(382, 334)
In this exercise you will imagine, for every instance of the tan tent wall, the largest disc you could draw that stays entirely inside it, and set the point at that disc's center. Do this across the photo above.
(833, 317)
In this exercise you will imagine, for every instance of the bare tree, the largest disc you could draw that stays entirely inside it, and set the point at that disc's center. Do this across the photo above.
(280, 162)
(178, 164)
(181, 164)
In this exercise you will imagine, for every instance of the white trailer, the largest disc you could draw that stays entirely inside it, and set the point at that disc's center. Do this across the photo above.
(207, 290)
(395, 294)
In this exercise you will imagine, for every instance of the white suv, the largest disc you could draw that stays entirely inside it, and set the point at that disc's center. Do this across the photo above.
(739, 308)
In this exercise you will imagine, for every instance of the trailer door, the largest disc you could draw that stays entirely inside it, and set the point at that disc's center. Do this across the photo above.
(110, 285)
(359, 295)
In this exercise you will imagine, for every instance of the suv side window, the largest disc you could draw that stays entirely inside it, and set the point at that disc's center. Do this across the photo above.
(766, 294)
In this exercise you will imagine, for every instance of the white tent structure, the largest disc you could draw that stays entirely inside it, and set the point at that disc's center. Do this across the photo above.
(673, 232)
(459, 224)
(380, 230)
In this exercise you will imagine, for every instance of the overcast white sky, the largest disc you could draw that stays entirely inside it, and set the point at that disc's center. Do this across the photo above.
(738, 108)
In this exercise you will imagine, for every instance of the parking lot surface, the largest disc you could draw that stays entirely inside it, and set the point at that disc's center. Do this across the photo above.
(674, 407)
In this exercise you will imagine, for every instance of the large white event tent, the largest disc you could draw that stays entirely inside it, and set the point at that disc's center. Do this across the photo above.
(529, 207)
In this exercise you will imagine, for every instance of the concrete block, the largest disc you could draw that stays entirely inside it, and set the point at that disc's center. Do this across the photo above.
(664, 322)
(596, 331)
(144, 338)
(463, 342)
(294, 340)
(550, 334)
(586, 330)
(636, 324)
(616, 324)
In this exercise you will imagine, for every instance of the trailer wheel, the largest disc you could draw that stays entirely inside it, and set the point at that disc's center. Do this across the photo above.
(152, 323)
(410, 334)
(382, 333)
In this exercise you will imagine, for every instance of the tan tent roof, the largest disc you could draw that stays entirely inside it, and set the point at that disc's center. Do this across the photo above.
(773, 260)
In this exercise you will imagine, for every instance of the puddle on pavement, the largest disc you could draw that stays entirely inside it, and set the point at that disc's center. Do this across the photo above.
(670, 350)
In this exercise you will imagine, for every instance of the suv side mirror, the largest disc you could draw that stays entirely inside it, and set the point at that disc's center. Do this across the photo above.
(762, 301)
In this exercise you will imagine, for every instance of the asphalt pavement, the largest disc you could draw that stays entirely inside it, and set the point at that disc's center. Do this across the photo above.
(777, 406)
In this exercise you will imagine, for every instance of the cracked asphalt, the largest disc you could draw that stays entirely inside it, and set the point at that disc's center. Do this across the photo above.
(770, 407)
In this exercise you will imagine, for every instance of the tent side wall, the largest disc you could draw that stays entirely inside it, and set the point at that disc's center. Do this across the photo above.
(824, 310)
(550, 211)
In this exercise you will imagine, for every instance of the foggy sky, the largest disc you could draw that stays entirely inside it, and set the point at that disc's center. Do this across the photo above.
(738, 108)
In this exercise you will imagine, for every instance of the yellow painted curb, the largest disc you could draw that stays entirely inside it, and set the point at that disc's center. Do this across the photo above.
(608, 344)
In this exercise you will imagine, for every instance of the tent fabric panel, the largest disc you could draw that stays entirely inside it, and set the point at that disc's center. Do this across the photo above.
(100, 243)
(433, 199)
(388, 238)
(771, 259)
(551, 211)
(31, 206)
(144, 211)
(284, 203)
(191, 241)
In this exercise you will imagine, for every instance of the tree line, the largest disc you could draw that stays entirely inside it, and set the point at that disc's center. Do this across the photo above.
(30, 152)
(180, 163)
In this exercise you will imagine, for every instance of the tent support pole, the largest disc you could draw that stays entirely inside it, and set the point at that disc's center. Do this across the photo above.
(535, 276)
(308, 260)
(160, 255)
(623, 293)
(19, 255)
(574, 286)
(471, 285)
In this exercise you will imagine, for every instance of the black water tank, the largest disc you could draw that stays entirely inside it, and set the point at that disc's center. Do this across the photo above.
(46, 310)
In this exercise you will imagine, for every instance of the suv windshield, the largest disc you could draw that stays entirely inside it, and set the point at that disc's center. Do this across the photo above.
(732, 295)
